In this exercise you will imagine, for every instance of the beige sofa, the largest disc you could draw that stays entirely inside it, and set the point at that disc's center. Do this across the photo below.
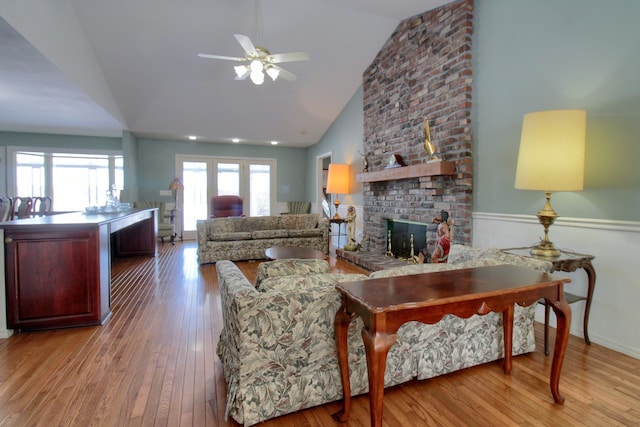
(247, 238)
(277, 342)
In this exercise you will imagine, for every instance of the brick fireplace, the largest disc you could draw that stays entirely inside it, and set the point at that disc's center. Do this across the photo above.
(424, 71)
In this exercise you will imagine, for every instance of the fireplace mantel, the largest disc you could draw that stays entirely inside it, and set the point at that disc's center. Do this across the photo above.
(406, 172)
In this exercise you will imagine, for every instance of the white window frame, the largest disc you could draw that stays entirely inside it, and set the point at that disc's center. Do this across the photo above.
(11, 171)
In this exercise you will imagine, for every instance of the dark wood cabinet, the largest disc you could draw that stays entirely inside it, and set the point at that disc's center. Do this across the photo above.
(57, 269)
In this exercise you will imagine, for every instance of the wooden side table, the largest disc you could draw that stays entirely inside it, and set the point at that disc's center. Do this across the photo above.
(569, 262)
(338, 221)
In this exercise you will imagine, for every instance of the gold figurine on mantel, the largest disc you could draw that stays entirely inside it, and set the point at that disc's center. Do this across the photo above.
(428, 146)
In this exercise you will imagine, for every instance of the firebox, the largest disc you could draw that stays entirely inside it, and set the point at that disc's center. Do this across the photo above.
(407, 238)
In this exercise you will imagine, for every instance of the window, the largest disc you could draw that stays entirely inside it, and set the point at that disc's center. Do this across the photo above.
(73, 180)
(30, 174)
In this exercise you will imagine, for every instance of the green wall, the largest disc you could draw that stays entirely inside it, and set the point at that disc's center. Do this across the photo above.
(150, 164)
(343, 139)
(156, 165)
(59, 141)
(558, 54)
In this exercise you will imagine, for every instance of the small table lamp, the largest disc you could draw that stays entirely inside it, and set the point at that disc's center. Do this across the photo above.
(551, 158)
(338, 182)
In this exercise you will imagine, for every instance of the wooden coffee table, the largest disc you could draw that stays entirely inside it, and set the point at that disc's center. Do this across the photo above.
(385, 304)
(299, 252)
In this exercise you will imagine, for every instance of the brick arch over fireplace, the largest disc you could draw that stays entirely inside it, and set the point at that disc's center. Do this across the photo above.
(424, 71)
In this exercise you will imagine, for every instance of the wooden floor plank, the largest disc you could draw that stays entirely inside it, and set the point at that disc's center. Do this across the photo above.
(154, 363)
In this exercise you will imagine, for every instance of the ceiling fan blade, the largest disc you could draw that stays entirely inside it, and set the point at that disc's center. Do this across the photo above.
(285, 74)
(287, 57)
(246, 44)
(227, 58)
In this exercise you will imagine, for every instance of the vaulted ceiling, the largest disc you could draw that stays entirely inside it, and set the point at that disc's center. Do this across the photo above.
(95, 67)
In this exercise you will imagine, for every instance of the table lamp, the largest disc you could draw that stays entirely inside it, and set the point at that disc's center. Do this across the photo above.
(338, 183)
(551, 158)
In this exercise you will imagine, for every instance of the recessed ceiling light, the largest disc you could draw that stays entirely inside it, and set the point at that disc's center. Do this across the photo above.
(235, 140)
(192, 137)
(274, 142)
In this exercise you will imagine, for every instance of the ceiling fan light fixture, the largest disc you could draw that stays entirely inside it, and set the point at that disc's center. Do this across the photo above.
(241, 70)
(273, 73)
(259, 59)
(257, 66)
(257, 77)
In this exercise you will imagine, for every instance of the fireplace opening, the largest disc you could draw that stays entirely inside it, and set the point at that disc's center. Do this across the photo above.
(406, 239)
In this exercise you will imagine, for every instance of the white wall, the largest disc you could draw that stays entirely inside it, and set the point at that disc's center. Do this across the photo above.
(614, 317)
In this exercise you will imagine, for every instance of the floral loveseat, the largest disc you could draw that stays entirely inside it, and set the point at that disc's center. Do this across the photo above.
(247, 238)
(277, 343)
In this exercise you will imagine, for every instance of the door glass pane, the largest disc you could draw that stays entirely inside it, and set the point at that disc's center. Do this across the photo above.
(194, 178)
(259, 193)
(228, 179)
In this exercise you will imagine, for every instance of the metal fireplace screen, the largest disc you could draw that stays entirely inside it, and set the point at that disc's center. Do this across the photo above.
(407, 238)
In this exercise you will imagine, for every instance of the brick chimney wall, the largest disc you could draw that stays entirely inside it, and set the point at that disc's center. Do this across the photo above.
(422, 72)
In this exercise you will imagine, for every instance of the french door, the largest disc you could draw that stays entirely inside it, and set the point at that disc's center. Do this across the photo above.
(252, 179)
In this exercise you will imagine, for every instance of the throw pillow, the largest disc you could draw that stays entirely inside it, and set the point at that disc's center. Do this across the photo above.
(412, 269)
(309, 281)
(290, 267)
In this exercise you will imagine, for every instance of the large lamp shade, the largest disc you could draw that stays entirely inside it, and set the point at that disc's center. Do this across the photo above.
(552, 147)
(338, 182)
(551, 158)
(338, 179)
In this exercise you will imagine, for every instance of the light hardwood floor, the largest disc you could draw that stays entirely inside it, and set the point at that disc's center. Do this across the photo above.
(154, 363)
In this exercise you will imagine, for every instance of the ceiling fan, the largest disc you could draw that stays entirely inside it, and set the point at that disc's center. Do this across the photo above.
(258, 60)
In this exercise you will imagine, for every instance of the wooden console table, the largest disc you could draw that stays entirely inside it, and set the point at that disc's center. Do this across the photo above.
(58, 268)
(568, 262)
(387, 303)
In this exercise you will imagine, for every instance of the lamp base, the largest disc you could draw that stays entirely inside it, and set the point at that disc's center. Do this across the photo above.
(545, 249)
(337, 205)
(546, 217)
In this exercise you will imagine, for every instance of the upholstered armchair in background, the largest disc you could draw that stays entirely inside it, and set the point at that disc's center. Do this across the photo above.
(225, 206)
(298, 207)
(165, 229)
